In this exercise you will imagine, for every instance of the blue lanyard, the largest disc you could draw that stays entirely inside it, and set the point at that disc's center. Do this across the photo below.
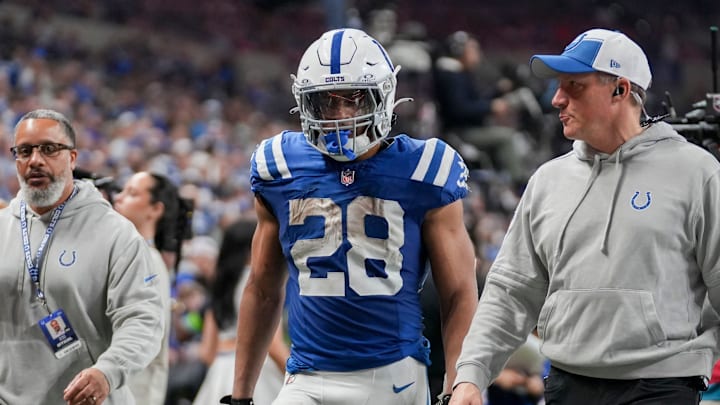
(34, 269)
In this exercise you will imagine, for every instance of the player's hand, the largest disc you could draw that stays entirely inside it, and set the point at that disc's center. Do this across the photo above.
(89, 387)
(466, 394)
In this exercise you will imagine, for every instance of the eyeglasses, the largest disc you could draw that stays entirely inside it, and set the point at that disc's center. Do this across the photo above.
(23, 152)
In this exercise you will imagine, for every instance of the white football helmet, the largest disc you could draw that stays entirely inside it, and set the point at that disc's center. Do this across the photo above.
(345, 93)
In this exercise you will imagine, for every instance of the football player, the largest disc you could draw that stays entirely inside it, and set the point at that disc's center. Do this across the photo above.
(350, 223)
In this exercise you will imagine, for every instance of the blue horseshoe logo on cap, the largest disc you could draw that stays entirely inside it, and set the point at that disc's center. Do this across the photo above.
(575, 42)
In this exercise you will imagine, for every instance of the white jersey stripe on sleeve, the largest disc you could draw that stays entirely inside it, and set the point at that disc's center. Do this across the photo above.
(261, 162)
(445, 164)
(279, 157)
(425, 160)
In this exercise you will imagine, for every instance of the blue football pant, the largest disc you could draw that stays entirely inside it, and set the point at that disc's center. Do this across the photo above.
(404, 382)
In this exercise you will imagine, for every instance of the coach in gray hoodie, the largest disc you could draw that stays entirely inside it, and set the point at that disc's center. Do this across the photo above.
(80, 308)
(611, 252)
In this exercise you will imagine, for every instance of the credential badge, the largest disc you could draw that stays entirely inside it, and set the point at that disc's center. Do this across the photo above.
(347, 177)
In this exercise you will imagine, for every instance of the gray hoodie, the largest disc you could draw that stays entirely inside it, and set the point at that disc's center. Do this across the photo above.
(611, 257)
(96, 268)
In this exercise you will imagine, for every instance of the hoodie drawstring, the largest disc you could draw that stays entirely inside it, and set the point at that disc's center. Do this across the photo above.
(593, 175)
(611, 209)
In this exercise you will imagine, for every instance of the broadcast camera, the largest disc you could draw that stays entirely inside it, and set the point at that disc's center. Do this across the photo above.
(105, 184)
(701, 125)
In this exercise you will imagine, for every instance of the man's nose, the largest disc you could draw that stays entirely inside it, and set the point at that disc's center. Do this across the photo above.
(559, 100)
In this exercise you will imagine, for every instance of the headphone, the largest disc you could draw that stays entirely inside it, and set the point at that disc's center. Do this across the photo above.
(618, 91)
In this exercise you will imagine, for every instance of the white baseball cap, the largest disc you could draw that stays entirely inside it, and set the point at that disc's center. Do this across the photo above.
(597, 50)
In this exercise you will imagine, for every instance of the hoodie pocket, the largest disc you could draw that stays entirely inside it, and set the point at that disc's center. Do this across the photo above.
(596, 327)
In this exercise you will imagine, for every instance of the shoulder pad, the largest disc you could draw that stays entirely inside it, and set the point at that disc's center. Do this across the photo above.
(438, 164)
(274, 157)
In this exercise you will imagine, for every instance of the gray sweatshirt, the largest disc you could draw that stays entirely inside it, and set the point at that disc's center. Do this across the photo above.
(97, 269)
(611, 256)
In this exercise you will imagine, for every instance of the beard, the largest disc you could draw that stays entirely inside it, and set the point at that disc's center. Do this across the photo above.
(47, 196)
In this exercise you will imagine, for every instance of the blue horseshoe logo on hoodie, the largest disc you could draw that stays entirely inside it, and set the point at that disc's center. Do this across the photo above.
(648, 200)
(65, 262)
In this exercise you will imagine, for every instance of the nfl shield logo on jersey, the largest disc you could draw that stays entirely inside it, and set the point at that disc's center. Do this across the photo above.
(347, 177)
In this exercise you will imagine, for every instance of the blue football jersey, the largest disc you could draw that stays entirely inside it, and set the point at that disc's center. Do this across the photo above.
(351, 233)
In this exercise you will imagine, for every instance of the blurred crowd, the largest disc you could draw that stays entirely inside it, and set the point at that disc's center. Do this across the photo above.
(187, 90)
